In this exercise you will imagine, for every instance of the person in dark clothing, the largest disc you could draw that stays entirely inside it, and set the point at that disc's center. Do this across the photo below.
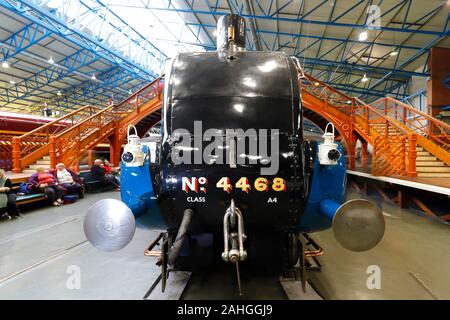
(98, 173)
(8, 198)
(68, 180)
(110, 172)
(42, 181)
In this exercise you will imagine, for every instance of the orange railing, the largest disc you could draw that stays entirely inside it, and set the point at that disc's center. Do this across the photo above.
(388, 156)
(66, 138)
(68, 145)
(394, 146)
(415, 120)
(361, 117)
(140, 97)
(71, 144)
(28, 148)
(327, 94)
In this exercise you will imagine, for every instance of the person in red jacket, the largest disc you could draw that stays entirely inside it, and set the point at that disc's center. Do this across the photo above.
(68, 180)
(110, 173)
(98, 173)
(45, 182)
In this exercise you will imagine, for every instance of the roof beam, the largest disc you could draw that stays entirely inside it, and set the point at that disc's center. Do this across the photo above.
(70, 30)
(23, 39)
(303, 20)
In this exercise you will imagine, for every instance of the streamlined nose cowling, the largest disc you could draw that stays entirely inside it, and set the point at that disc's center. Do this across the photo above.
(250, 92)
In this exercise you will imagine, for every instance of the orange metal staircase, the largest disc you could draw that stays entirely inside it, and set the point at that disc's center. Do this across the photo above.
(81, 130)
(404, 141)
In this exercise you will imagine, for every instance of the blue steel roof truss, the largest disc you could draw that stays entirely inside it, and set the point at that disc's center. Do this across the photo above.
(338, 59)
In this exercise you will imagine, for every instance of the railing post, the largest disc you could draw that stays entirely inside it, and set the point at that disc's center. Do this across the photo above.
(374, 156)
(430, 129)
(114, 147)
(352, 110)
(404, 115)
(403, 155)
(91, 155)
(366, 118)
(352, 150)
(52, 152)
(386, 123)
(412, 155)
(78, 155)
(16, 155)
(364, 154)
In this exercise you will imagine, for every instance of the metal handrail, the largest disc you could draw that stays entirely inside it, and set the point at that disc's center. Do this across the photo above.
(426, 116)
(56, 121)
(116, 116)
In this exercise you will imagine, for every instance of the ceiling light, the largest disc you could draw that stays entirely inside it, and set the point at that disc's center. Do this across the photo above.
(12, 82)
(393, 52)
(130, 92)
(94, 77)
(58, 93)
(349, 102)
(363, 36)
(316, 84)
(51, 61)
(364, 79)
(5, 64)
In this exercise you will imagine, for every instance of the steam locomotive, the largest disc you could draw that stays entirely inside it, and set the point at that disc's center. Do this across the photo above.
(230, 167)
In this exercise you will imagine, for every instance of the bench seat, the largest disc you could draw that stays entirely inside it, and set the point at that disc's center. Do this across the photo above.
(27, 198)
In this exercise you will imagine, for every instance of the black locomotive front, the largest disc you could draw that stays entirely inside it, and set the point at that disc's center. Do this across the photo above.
(229, 172)
(255, 92)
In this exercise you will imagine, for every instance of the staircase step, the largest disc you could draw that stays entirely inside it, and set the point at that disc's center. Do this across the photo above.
(433, 175)
(391, 132)
(46, 158)
(35, 166)
(422, 153)
(43, 162)
(441, 169)
(429, 164)
(426, 158)
(31, 171)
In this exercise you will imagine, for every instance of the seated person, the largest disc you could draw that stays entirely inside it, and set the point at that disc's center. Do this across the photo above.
(110, 172)
(42, 181)
(98, 173)
(68, 180)
(8, 198)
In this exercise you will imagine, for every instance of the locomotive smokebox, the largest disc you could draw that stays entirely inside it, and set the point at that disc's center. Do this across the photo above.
(230, 33)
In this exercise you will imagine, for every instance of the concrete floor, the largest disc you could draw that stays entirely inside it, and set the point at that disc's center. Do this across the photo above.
(38, 255)
(413, 257)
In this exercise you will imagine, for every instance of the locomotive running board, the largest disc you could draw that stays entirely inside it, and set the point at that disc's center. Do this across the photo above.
(294, 291)
(176, 283)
